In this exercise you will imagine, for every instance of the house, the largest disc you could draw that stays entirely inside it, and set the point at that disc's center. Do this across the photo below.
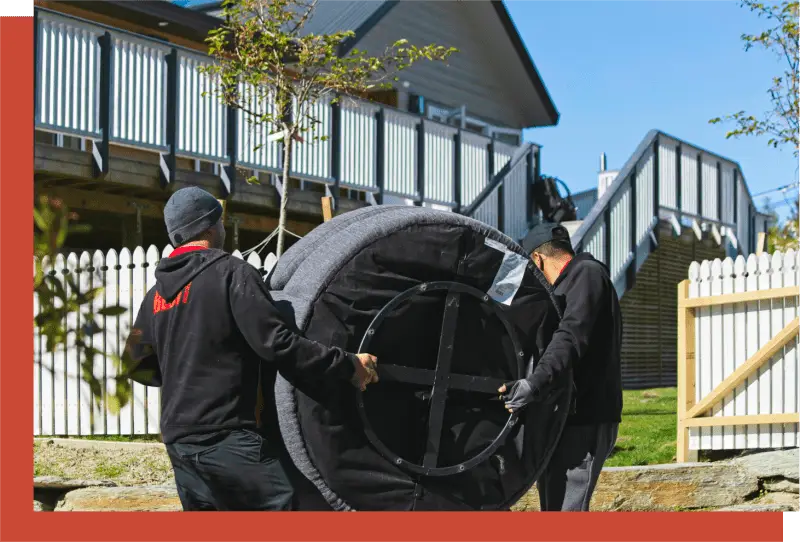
(122, 121)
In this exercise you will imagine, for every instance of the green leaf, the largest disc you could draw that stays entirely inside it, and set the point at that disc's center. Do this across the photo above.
(112, 311)
(40, 221)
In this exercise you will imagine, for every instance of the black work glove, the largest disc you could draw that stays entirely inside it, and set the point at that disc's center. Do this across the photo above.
(517, 394)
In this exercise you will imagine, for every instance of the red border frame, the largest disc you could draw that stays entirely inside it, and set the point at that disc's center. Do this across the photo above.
(19, 522)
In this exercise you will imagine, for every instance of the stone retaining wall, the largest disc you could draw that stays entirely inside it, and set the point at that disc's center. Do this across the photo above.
(766, 481)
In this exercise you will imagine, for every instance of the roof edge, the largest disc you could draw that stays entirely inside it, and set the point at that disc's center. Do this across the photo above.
(511, 32)
(527, 61)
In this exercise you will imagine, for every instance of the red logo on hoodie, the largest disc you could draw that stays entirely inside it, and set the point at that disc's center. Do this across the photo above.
(161, 305)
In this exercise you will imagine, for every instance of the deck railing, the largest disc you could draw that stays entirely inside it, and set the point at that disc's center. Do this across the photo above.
(114, 87)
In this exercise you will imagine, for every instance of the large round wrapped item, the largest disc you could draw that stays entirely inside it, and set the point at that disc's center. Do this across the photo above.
(452, 308)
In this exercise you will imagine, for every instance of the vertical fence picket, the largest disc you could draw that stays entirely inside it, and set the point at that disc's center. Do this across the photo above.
(85, 398)
(254, 260)
(269, 262)
(71, 361)
(764, 335)
(703, 370)
(790, 357)
(728, 338)
(138, 291)
(124, 323)
(776, 365)
(98, 280)
(694, 291)
(740, 349)
(111, 337)
(48, 370)
(752, 348)
(714, 362)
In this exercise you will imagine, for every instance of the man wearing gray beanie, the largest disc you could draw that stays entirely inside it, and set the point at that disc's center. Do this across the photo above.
(210, 336)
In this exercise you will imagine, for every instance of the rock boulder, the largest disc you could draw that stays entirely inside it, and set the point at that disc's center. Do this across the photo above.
(120, 499)
(664, 487)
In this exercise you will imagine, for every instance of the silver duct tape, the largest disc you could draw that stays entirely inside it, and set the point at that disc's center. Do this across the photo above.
(509, 276)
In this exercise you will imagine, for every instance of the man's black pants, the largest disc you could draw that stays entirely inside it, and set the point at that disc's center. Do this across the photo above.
(568, 482)
(232, 470)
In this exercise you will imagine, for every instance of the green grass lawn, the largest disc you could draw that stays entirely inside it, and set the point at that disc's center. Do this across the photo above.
(648, 431)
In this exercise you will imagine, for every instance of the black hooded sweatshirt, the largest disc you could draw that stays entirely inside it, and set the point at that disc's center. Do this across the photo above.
(207, 333)
(588, 339)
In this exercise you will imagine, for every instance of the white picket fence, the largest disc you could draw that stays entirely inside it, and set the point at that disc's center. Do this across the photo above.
(727, 334)
(62, 400)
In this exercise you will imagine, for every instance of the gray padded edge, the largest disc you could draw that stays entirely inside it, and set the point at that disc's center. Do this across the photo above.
(296, 445)
(309, 276)
(308, 281)
(292, 259)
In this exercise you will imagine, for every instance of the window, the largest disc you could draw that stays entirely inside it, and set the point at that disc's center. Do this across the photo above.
(477, 128)
(506, 135)
(511, 139)
(386, 97)
(452, 116)
(439, 114)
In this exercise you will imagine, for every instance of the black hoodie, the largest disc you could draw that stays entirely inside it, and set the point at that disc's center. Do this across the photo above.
(201, 335)
(588, 339)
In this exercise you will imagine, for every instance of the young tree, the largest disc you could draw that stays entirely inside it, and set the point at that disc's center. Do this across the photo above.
(785, 235)
(262, 44)
(781, 122)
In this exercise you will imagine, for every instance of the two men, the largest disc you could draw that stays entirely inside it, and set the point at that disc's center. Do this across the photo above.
(209, 335)
(588, 339)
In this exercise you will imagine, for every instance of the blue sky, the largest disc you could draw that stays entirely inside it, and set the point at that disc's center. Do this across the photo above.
(617, 69)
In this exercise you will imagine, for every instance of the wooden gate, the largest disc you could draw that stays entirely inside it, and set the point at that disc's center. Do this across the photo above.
(738, 354)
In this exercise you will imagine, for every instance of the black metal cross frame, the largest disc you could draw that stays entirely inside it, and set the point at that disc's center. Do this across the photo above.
(441, 379)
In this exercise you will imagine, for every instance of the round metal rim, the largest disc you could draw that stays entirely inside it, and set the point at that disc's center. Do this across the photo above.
(449, 470)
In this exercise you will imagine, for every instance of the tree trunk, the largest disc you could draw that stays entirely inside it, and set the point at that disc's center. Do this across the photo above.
(288, 143)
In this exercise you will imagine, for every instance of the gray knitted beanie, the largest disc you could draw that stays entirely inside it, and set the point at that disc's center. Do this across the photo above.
(189, 212)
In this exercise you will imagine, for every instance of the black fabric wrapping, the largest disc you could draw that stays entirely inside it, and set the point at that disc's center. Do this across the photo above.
(333, 283)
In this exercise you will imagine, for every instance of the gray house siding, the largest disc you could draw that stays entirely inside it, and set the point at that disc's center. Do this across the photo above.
(584, 201)
(335, 16)
(491, 74)
(473, 77)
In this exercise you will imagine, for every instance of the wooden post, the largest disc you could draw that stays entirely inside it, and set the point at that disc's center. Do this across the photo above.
(686, 369)
(761, 244)
(326, 208)
(224, 204)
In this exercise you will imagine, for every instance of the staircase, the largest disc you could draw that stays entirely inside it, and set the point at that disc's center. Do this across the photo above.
(667, 179)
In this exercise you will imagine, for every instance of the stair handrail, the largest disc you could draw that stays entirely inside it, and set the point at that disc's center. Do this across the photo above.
(598, 210)
(520, 154)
